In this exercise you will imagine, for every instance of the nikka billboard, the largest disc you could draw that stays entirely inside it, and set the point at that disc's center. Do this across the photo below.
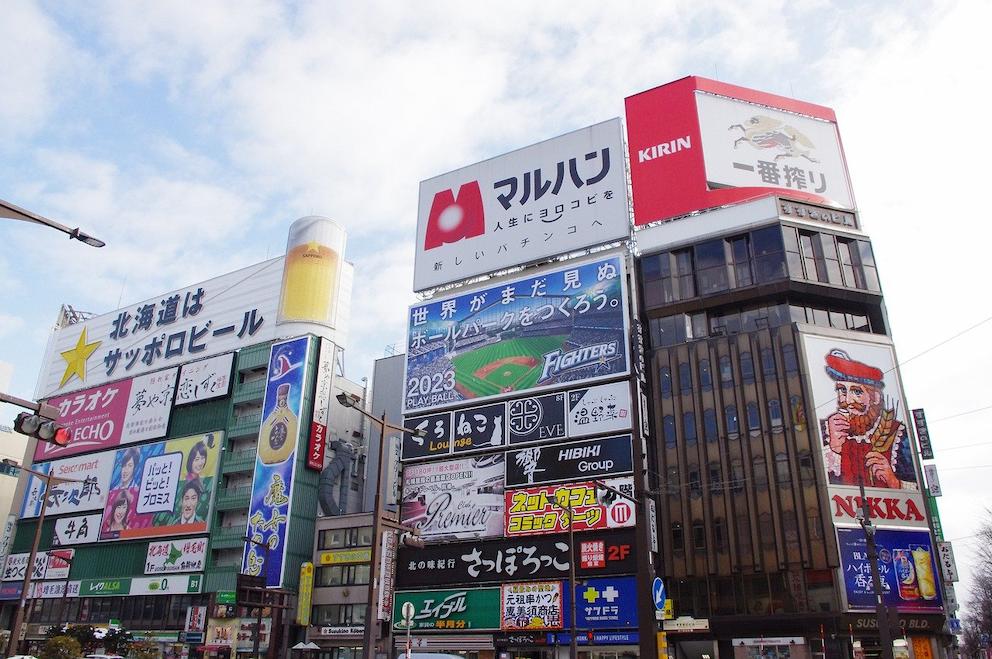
(566, 324)
(861, 416)
(550, 198)
(696, 143)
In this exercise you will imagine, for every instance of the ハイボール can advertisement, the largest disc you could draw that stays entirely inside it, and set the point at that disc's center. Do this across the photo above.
(560, 326)
(275, 462)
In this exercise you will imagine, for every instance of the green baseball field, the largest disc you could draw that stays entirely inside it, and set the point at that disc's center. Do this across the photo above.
(509, 365)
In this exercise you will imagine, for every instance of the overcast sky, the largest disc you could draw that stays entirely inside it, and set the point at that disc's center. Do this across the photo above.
(189, 140)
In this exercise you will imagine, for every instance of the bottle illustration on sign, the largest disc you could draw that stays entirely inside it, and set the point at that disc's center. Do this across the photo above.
(903, 562)
(310, 276)
(277, 438)
(924, 572)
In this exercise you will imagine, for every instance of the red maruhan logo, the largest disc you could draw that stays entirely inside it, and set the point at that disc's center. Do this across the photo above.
(453, 218)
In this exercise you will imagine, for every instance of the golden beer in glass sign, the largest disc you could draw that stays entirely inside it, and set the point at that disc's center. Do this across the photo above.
(312, 272)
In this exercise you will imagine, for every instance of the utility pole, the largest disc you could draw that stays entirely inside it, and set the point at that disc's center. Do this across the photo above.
(881, 611)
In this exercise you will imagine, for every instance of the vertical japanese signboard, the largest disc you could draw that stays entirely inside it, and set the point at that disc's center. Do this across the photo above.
(558, 196)
(563, 325)
(696, 144)
(923, 434)
(278, 442)
(317, 444)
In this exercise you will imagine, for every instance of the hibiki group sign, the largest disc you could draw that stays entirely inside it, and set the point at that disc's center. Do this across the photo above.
(275, 462)
(537, 510)
(864, 438)
(905, 561)
(202, 320)
(562, 325)
(561, 462)
(113, 414)
(455, 499)
(550, 198)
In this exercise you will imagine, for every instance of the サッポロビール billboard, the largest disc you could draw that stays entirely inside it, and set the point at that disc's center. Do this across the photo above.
(555, 197)
(562, 325)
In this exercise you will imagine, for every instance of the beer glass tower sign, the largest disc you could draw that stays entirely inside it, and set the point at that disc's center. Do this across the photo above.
(312, 272)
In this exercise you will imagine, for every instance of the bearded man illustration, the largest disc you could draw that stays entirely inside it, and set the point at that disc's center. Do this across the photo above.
(867, 441)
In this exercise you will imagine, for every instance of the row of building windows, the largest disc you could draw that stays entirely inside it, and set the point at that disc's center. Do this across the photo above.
(792, 591)
(135, 612)
(338, 614)
(342, 575)
(711, 433)
(684, 327)
(766, 532)
(736, 479)
(351, 537)
(761, 256)
(726, 372)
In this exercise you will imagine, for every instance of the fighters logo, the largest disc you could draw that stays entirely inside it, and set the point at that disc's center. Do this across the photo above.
(556, 362)
(455, 217)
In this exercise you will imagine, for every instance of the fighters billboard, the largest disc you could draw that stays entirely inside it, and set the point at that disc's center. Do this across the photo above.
(558, 196)
(516, 559)
(697, 143)
(861, 416)
(561, 325)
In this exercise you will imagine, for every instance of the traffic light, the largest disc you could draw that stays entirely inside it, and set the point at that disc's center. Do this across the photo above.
(42, 429)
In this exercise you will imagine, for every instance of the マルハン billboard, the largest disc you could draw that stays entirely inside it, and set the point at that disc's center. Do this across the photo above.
(455, 499)
(269, 512)
(551, 198)
(861, 418)
(696, 144)
(202, 320)
(516, 559)
(562, 325)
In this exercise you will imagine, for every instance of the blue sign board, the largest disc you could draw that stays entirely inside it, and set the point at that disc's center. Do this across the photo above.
(567, 325)
(658, 593)
(905, 562)
(275, 461)
(598, 638)
(606, 603)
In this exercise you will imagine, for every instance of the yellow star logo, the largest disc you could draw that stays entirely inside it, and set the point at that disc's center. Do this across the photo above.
(75, 359)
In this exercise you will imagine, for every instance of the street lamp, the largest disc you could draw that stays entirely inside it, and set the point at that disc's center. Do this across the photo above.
(369, 639)
(881, 611)
(12, 212)
(15, 632)
(258, 617)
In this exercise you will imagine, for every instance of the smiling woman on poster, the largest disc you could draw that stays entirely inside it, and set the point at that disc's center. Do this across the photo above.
(119, 513)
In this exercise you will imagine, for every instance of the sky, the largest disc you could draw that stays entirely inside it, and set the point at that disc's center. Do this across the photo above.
(189, 139)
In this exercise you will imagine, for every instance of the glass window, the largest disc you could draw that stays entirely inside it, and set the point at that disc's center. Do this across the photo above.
(753, 417)
(665, 381)
(678, 538)
(737, 475)
(775, 413)
(726, 372)
(808, 251)
(789, 358)
(766, 241)
(848, 266)
(705, 376)
(651, 266)
(797, 313)
(715, 477)
(685, 378)
(697, 322)
(769, 258)
(829, 251)
(710, 430)
(747, 368)
(782, 472)
(698, 536)
(730, 415)
(720, 534)
(673, 481)
(683, 273)
(332, 539)
(760, 475)
(766, 532)
(710, 254)
(689, 427)
(668, 429)
(742, 261)
(806, 470)
(695, 482)
(744, 535)
(768, 362)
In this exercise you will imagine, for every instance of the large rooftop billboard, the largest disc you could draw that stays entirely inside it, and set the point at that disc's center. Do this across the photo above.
(696, 144)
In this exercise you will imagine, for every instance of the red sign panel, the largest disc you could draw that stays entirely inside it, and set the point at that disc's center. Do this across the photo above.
(697, 143)
(539, 510)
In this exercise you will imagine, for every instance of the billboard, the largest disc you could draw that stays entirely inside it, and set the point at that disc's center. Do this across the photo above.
(606, 603)
(532, 606)
(696, 144)
(85, 490)
(275, 462)
(317, 443)
(923, 434)
(861, 416)
(206, 319)
(562, 325)
(162, 489)
(590, 411)
(455, 499)
(592, 458)
(77, 530)
(204, 379)
(537, 510)
(550, 198)
(465, 609)
(516, 559)
(51, 564)
(906, 563)
(122, 412)
(183, 555)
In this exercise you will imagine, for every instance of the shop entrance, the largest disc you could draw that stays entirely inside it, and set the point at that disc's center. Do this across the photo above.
(696, 649)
